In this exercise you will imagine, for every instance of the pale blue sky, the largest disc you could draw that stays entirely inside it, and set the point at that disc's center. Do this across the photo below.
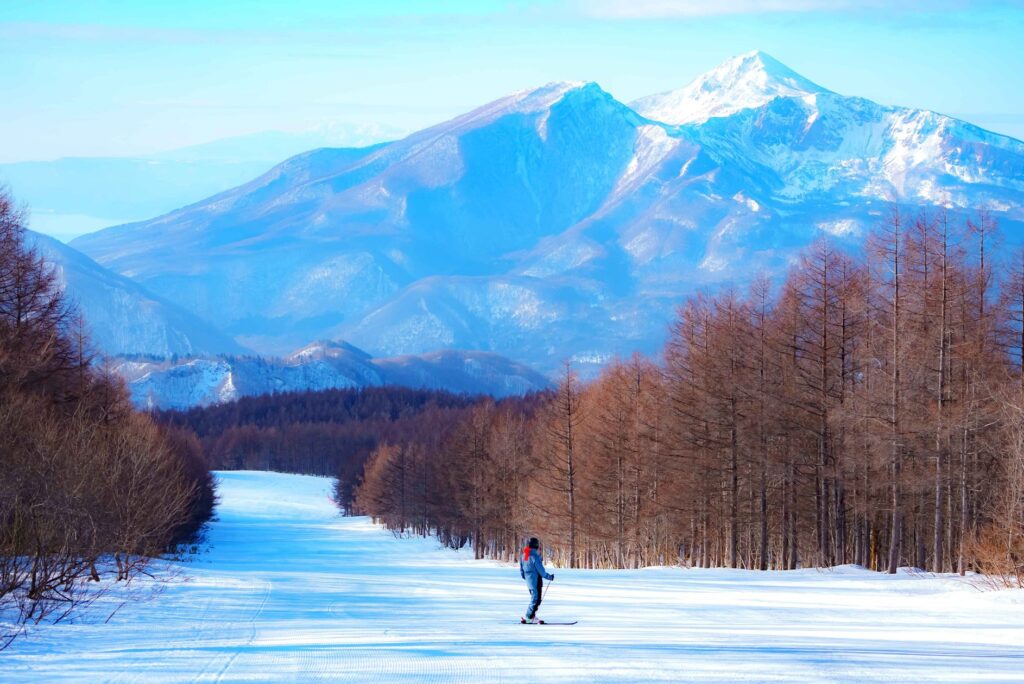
(116, 77)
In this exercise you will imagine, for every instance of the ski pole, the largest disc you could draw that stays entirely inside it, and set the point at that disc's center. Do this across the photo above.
(550, 582)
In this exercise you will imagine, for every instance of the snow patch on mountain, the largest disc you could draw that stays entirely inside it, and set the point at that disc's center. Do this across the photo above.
(747, 202)
(644, 245)
(653, 144)
(840, 228)
(557, 255)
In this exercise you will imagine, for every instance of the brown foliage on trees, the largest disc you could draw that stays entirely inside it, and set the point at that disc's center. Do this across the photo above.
(87, 483)
(866, 411)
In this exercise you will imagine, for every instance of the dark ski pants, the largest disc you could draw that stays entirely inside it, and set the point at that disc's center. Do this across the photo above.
(536, 592)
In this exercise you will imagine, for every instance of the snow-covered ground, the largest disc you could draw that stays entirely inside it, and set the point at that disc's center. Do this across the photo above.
(290, 591)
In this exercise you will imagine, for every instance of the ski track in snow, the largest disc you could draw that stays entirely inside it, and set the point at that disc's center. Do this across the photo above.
(290, 591)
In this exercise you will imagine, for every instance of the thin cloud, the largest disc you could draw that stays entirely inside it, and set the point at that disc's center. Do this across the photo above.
(663, 9)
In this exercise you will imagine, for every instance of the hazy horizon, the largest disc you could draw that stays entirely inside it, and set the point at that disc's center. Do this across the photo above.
(115, 79)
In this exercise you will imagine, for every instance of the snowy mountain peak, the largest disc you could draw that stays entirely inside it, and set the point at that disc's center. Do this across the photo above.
(551, 91)
(743, 82)
(535, 102)
(764, 70)
(547, 96)
(326, 349)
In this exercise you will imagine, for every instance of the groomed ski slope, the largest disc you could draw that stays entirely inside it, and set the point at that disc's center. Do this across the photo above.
(290, 591)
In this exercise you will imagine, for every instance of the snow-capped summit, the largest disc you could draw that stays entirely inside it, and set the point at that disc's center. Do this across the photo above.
(326, 349)
(744, 82)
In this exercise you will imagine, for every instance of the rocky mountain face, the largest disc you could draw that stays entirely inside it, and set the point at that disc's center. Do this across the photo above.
(558, 223)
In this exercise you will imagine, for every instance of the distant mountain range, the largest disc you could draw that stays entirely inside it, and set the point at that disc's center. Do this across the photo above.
(556, 223)
(76, 195)
(203, 380)
(169, 357)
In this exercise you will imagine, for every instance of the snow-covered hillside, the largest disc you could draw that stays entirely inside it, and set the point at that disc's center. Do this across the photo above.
(123, 317)
(199, 381)
(559, 222)
(290, 591)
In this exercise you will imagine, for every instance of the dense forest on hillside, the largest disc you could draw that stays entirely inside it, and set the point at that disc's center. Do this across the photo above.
(329, 432)
(866, 410)
(90, 488)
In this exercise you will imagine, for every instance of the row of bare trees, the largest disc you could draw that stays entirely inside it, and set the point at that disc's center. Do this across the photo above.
(868, 410)
(88, 486)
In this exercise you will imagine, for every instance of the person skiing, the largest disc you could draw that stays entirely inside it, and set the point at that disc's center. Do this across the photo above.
(531, 569)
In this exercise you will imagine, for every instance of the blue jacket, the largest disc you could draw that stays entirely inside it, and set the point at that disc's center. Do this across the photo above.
(531, 566)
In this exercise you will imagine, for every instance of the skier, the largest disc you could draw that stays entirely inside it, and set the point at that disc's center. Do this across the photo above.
(531, 569)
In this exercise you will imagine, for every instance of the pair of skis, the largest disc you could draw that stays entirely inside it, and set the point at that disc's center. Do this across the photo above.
(523, 621)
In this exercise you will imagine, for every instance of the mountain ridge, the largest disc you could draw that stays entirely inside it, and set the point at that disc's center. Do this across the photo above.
(121, 315)
(557, 223)
(212, 379)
